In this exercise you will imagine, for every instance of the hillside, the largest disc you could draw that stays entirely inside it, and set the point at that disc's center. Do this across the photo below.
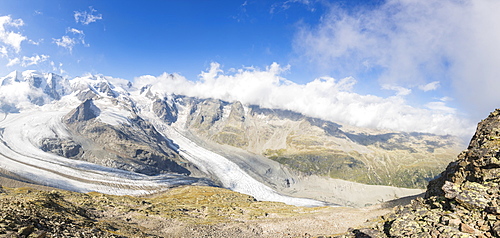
(462, 202)
(189, 211)
(319, 147)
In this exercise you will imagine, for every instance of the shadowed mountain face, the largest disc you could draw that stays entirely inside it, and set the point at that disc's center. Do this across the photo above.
(135, 146)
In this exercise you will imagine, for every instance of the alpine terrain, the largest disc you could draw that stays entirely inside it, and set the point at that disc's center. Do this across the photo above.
(462, 202)
(112, 136)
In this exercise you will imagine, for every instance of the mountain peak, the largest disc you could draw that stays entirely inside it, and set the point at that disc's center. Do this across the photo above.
(21, 90)
(14, 76)
(86, 111)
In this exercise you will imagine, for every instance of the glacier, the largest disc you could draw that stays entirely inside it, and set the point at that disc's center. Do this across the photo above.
(27, 120)
(228, 172)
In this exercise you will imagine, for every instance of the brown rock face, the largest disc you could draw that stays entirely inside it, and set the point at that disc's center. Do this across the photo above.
(463, 201)
(477, 168)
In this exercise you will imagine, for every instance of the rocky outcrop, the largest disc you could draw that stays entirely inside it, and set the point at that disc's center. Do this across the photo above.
(86, 111)
(64, 148)
(165, 111)
(32, 213)
(464, 201)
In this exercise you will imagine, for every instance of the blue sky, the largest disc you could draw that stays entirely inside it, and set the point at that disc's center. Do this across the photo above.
(440, 58)
(132, 38)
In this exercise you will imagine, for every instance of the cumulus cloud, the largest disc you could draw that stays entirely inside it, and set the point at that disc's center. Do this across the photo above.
(86, 18)
(3, 52)
(414, 42)
(400, 91)
(66, 42)
(70, 42)
(10, 38)
(57, 67)
(430, 86)
(34, 60)
(13, 62)
(18, 96)
(324, 97)
(28, 61)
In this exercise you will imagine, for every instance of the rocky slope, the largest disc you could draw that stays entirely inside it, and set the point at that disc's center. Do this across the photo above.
(189, 211)
(315, 146)
(462, 202)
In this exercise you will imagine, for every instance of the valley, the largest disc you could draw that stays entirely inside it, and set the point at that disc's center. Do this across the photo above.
(108, 135)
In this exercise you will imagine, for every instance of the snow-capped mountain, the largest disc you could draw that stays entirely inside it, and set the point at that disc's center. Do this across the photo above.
(97, 133)
(20, 90)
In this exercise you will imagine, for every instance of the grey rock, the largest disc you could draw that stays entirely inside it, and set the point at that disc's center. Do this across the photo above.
(368, 233)
(165, 111)
(464, 200)
(86, 111)
(26, 231)
(64, 148)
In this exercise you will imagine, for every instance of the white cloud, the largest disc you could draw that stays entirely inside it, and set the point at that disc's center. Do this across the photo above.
(86, 18)
(34, 60)
(430, 86)
(14, 61)
(285, 5)
(57, 68)
(400, 91)
(75, 31)
(10, 38)
(27, 61)
(70, 42)
(18, 95)
(35, 42)
(414, 42)
(441, 106)
(325, 98)
(66, 42)
(446, 99)
(3, 52)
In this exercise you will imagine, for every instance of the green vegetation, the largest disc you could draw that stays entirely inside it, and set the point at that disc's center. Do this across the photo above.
(231, 135)
(351, 167)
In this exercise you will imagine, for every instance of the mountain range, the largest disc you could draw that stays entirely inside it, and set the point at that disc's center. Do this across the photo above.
(97, 133)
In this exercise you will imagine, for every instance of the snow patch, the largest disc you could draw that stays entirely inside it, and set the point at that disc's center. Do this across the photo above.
(112, 114)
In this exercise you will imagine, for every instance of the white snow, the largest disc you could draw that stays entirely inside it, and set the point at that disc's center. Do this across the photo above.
(110, 113)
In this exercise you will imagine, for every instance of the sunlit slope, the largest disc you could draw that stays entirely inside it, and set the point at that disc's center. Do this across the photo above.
(315, 146)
